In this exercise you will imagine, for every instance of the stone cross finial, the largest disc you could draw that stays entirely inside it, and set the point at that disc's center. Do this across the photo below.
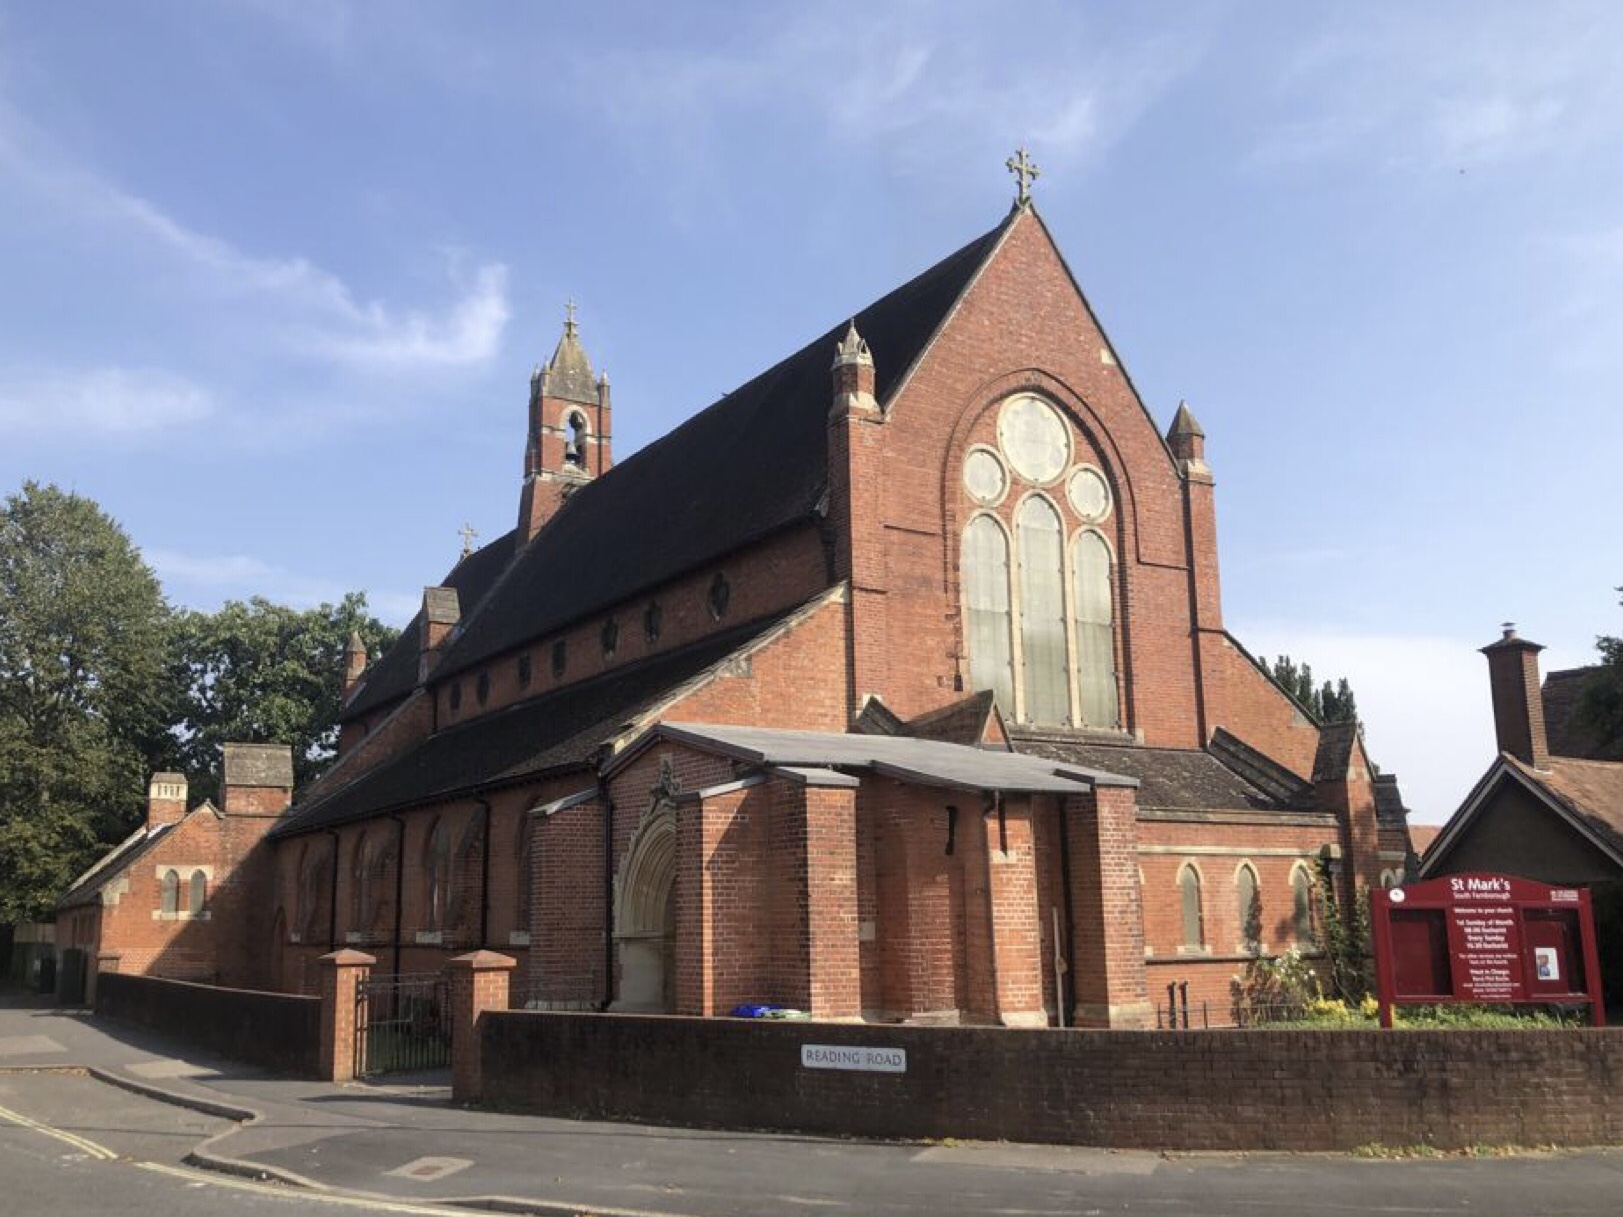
(1025, 171)
(469, 536)
(569, 317)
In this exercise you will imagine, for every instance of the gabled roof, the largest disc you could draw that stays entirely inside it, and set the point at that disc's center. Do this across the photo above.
(553, 733)
(749, 465)
(87, 887)
(395, 674)
(1587, 795)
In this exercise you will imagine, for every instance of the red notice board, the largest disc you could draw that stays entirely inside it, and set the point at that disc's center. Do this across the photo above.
(1484, 938)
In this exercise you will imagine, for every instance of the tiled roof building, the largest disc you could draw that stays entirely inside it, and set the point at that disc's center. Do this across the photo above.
(892, 685)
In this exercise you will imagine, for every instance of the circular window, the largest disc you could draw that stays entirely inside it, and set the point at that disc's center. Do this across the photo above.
(984, 478)
(1089, 494)
(1035, 439)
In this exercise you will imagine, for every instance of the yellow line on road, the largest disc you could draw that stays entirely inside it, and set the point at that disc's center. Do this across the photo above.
(266, 1189)
(78, 1142)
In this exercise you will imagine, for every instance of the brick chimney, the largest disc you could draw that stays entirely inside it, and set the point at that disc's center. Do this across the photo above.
(442, 609)
(354, 664)
(257, 780)
(166, 799)
(1518, 708)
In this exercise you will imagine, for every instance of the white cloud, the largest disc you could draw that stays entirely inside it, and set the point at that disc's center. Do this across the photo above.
(1423, 700)
(122, 401)
(308, 306)
(470, 333)
(950, 78)
(1464, 86)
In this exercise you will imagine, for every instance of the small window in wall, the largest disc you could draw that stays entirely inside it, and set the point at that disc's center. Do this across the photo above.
(652, 617)
(611, 637)
(526, 880)
(456, 695)
(1194, 928)
(560, 657)
(169, 893)
(481, 688)
(198, 893)
(1248, 901)
(360, 887)
(524, 670)
(1302, 904)
(721, 593)
(436, 876)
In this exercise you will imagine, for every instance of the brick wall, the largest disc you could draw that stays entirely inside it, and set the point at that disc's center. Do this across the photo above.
(276, 1030)
(1222, 1090)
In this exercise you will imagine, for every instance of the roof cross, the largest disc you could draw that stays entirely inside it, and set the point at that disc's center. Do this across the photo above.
(569, 316)
(1026, 171)
(469, 536)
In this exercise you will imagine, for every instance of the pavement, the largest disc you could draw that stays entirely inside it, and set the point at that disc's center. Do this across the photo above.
(405, 1142)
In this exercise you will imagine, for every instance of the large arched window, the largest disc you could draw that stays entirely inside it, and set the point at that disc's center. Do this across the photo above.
(1036, 571)
(1302, 904)
(1095, 632)
(986, 604)
(1248, 908)
(1194, 922)
(1040, 548)
(197, 893)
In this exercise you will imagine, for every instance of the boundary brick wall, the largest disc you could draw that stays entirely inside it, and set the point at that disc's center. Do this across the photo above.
(1221, 1090)
(278, 1031)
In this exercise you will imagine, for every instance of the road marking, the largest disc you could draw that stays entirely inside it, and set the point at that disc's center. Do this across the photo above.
(377, 1204)
(428, 1170)
(89, 1147)
(28, 1045)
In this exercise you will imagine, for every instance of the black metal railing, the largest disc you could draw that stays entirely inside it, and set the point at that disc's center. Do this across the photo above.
(402, 1024)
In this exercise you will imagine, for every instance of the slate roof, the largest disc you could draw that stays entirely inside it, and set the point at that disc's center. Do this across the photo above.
(749, 465)
(1170, 779)
(395, 673)
(927, 762)
(558, 731)
(87, 887)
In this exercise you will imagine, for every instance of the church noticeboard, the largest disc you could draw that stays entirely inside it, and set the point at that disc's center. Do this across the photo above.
(1496, 939)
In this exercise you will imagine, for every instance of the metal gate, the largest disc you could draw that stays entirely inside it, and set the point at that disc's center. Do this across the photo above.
(402, 1023)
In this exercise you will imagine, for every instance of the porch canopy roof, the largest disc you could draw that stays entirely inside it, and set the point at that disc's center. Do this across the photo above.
(922, 761)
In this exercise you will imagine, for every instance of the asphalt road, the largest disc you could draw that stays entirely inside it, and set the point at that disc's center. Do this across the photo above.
(71, 1146)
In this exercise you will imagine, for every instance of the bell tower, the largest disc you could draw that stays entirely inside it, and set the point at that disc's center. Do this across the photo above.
(568, 442)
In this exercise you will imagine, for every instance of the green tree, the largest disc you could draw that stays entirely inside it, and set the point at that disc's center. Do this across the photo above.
(259, 672)
(1600, 706)
(82, 693)
(1328, 703)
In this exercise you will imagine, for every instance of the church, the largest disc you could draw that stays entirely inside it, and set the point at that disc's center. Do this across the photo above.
(892, 686)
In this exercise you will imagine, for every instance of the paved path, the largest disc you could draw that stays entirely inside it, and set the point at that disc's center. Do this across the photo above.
(407, 1141)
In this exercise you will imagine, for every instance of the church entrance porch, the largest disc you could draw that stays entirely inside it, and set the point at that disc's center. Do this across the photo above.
(645, 919)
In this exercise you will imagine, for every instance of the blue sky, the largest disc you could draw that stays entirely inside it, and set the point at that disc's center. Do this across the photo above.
(273, 276)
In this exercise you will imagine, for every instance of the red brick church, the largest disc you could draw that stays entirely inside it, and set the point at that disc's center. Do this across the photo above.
(893, 685)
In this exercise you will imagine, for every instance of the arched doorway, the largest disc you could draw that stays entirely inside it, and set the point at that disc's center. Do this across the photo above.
(645, 917)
